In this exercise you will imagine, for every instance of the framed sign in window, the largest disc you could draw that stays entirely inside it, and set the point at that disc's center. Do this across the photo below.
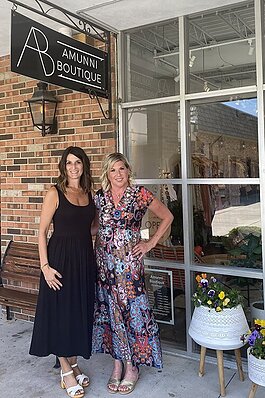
(159, 286)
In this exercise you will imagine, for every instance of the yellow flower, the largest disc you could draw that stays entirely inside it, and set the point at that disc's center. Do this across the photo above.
(218, 309)
(261, 322)
(262, 332)
(263, 343)
(209, 302)
(204, 276)
(198, 278)
(221, 295)
(226, 301)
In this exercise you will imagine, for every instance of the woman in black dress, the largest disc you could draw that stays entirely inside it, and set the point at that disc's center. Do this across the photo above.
(64, 315)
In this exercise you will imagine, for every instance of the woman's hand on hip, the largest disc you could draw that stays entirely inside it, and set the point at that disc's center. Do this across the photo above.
(141, 248)
(51, 276)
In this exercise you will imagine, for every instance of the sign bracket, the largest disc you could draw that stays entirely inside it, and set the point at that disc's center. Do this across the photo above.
(81, 25)
(107, 114)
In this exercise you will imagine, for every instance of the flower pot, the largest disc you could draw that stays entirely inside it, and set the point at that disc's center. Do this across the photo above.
(256, 369)
(218, 330)
(257, 310)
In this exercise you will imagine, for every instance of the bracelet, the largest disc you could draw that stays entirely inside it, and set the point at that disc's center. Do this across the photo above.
(44, 265)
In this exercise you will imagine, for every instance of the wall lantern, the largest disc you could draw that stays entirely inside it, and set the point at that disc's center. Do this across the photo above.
(43, 105)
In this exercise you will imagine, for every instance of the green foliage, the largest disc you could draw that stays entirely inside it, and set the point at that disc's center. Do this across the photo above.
(240, 232)
(248, 251)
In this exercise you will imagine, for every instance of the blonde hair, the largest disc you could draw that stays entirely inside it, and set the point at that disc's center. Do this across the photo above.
(108, 164)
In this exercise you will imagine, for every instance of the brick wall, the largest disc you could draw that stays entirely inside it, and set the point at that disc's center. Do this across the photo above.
(29, 161)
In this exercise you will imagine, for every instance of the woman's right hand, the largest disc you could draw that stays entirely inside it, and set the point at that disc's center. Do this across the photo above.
(50, 274)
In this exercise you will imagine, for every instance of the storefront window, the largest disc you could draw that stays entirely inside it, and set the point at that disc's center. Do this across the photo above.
(154, 141)
(222, 49)
(224, 139)
(165, 281)
(153, 73)
(227, 224)
(188, 151)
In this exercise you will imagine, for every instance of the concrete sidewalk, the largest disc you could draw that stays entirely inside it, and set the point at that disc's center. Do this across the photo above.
(24, 376)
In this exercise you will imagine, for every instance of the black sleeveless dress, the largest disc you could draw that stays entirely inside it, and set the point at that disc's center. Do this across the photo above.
(64, 318)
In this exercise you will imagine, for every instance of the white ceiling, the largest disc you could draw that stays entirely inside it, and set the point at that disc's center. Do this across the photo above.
(118, 14)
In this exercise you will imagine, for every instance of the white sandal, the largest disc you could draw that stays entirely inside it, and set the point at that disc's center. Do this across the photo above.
(82, 379)
(72, 391)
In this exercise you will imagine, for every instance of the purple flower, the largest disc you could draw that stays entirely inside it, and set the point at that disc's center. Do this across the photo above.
(211, 293)
(252, 338)
(204, 282)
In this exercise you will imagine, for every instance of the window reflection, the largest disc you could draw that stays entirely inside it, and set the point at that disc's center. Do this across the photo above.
(170, 247)
(154, 141)
(220, 57)
(227, 224)
(224, 139)
(151, 74)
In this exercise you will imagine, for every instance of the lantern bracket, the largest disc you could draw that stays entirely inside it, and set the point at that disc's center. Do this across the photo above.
(108, 113)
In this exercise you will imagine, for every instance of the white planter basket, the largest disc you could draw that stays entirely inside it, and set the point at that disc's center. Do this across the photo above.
(218, 330)
(256, 369)
(256, 310)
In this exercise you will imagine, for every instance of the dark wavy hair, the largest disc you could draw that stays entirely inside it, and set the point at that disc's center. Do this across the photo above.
(86, 181)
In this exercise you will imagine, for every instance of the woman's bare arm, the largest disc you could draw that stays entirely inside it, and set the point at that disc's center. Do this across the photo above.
(49, 207)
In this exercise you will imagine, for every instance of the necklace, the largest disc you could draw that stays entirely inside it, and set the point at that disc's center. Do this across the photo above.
(117, 195)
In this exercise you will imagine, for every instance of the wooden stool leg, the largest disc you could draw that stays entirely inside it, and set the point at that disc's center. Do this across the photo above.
(220, 363)
(239, 364)
(202, 361)
(253, 390)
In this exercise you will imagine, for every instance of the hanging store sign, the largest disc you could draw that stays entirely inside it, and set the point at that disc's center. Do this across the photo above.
(46, 55)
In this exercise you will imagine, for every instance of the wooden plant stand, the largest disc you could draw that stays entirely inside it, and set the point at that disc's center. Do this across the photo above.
(220, 364)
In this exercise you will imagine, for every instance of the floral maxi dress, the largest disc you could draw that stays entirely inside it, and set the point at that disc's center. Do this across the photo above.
(124, 325)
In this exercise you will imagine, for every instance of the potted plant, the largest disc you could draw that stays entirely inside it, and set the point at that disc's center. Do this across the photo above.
(247, 252)
(256, 352)
(218, 318)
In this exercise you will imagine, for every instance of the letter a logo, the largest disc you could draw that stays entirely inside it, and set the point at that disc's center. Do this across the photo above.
(41, 47)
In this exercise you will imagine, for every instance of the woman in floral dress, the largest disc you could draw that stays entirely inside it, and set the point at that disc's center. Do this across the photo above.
(124, 324)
